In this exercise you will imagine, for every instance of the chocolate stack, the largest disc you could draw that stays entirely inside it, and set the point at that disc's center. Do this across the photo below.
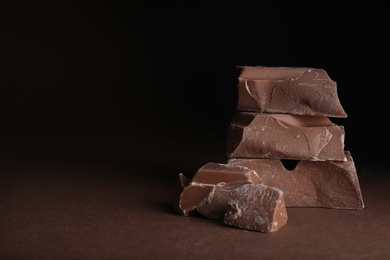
(283, 152)
(283, 132)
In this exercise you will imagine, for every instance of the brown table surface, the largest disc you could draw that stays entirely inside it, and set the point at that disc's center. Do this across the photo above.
(58, 208)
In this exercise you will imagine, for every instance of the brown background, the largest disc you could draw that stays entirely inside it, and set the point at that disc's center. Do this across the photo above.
(103, 104)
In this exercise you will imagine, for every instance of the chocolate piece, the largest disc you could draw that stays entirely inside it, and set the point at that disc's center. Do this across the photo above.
(311, 184)
(214, 204)
(210, 175)
(192, 195)
(300, 91)
(256, 207)
(214, 173)
(181, 182)
(278, 136)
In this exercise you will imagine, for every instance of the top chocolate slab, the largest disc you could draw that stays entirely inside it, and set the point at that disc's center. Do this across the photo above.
(299, 91)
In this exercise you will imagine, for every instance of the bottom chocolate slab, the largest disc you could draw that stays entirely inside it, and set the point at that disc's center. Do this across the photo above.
(327, 184)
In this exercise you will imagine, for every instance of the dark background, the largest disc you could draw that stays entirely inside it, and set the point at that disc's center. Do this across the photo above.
(119, 82)
(102, 104)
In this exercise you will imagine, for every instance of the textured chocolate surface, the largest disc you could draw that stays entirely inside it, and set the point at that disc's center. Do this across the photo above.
(214, 205)
(278, 136)
(302, 91)
(311, 184)
(256, 207)
(207, 177)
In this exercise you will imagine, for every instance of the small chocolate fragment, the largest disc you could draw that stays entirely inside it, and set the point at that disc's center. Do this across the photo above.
(278, 136)
(210, 175)
(181, 182)
(192, 195)
(300, 91)
(326, 184)
(256, 207)
(214, 204)
(214, 173)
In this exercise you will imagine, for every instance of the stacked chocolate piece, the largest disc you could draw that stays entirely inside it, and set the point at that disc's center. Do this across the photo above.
(283, 152)
(284, 116)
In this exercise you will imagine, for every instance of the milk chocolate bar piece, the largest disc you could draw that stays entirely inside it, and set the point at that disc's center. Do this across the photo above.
(214, 205)
(281, 136)
(327, 184)
(207, 177)
(300, 91)
(256, 207)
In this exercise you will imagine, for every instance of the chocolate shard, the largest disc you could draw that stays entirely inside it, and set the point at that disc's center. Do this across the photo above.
(214, 205)
(207, 177)
(280, 136)
(214, 173)
(300, 91)
(326, 184)
(256, 207)
(181, 182)
(192, 195)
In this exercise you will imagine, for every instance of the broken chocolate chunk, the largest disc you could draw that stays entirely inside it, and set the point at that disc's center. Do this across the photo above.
(214, 205)
(192, 195)
(327, 184)
(300, 91)
(279, 136)
(256, 207)
(207, 177)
